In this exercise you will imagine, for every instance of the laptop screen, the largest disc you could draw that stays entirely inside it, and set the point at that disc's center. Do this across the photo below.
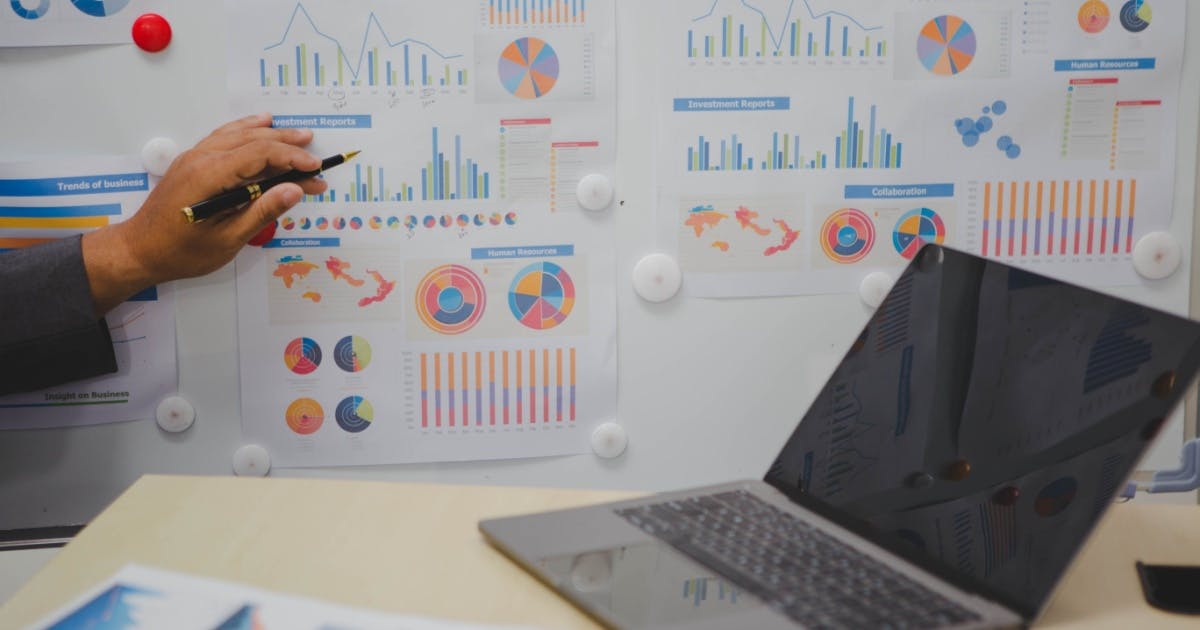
(984, 420)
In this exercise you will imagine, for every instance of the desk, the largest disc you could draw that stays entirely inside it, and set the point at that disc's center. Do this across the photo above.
(415, 549)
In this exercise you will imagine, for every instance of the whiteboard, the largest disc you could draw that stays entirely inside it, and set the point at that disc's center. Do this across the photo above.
(695, 413)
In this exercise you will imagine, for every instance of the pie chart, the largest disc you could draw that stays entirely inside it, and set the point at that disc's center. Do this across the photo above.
(302, 356)
(847, 235)
(352, 353)
(541, 296)
(946, 45)
(100, 8)
(354, 414)
(528, 68)
(450, 299)
(916, 228)
(1093, 16)
(304, 416)
(1135, 16)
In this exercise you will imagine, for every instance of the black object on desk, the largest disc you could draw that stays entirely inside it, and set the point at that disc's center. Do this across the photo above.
(1172, 588)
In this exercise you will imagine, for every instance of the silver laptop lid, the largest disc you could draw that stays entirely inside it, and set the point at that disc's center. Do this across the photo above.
(984, 420)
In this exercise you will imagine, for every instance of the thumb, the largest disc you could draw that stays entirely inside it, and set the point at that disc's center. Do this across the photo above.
(264, 210)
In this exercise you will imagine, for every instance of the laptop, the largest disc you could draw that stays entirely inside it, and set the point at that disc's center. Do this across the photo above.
(945, 476)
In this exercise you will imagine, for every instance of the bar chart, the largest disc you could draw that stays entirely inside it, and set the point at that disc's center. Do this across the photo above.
(800, 34)
(305, 56)
(449, 174)
(516, 387)
(860, 144)
(1071, 217)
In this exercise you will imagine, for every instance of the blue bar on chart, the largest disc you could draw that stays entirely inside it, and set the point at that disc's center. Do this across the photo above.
(446, 178)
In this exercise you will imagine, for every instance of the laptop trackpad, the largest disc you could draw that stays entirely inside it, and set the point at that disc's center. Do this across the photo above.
(650, 584)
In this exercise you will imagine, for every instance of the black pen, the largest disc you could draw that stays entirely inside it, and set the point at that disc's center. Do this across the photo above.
(214, 205)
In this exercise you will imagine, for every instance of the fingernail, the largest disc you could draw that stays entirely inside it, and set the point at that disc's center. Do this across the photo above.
(291, 195)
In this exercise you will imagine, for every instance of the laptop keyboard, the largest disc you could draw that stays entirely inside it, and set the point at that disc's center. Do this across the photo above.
(805, 573)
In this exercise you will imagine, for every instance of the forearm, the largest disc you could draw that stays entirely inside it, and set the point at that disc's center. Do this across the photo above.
(50, 331)
(113, 273)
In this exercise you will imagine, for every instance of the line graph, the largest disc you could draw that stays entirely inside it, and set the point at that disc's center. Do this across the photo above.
(296, 60)
(801, 33)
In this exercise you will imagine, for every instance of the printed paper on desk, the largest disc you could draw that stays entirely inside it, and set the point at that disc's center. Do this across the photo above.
(143, 598)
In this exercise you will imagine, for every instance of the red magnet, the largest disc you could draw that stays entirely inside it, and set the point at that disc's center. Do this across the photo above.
(151, 32)
(265, 235)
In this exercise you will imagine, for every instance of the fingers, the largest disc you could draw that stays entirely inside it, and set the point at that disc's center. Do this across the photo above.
(235, 138)
(266, 209)
(250, 161)
(249, 122)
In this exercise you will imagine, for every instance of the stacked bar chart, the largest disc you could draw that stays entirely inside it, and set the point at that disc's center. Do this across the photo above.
(859, 145)
(306, 57)
(800, 34)
(497, 388)
(535, 12)
(1058, 218)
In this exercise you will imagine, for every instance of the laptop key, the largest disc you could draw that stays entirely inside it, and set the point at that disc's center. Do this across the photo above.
(806, 574)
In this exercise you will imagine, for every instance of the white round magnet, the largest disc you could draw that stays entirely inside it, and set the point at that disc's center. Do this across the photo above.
(657, 277)
(874, 288)
(595, 192)
(251, 460)
(1156, 255)
(175, 414)
(158, 154)
(609, 440)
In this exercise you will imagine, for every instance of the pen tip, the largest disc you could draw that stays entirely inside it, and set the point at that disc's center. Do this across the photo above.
(352, 154)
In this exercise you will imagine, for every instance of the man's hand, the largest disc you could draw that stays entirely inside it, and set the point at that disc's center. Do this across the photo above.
(158, 244)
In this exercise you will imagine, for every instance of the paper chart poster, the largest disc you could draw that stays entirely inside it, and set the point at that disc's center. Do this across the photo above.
(804, 143)
(447, 298)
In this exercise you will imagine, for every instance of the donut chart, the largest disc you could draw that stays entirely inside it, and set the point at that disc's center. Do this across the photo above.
(100, 8)
(1093, 16)
(302, 356)
(847, 235)
(354, 414)
(352, 353)
(528, 68)
(541, 296)
(304, 416)
(30, 14)
(915, 229)
(1135, 16)
(450, 299)
(946, 45)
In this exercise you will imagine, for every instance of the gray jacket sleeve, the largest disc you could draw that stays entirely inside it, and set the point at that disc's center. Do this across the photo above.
(49, 332)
